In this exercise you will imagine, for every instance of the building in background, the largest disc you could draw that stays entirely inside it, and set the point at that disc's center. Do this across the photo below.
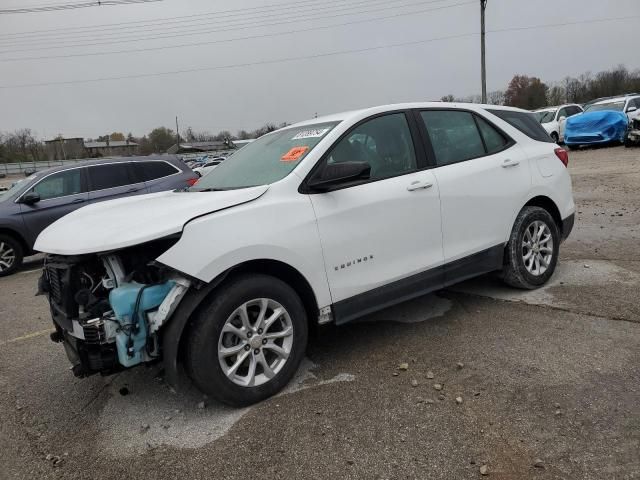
(111, 148)
(68, 148)
(63, 148)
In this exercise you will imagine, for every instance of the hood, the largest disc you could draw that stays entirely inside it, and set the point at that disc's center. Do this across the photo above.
(124, 222)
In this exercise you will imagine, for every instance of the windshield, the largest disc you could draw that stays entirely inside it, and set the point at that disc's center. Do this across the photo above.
(15, 188)
(545, 116)
(265, 161)
(619, 106)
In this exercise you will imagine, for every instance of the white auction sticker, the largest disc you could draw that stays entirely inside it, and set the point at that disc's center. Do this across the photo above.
(315, 133)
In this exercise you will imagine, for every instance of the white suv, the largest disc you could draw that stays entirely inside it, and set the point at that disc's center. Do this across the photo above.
(323, 221)
(553, 119)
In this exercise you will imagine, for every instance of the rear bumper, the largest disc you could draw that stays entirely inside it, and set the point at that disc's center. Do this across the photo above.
(567, 226)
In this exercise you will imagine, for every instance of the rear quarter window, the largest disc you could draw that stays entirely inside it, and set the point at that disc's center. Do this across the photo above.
(525, 122)
(152, 170)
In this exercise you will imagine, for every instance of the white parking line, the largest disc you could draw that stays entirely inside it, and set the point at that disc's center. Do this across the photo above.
(27, 336)
(31, 271)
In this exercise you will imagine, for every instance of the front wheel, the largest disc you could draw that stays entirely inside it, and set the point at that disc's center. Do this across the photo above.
(10, 255)
(247, 342)
(555, 137)
(532, 252)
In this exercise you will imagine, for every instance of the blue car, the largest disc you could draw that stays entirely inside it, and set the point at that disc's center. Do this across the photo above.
(601, 123)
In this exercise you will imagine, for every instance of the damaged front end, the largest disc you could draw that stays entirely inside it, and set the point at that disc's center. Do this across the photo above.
(108, 309)
(633, 132)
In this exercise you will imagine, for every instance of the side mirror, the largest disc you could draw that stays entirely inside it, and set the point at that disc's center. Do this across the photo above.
(562, 118)
(336, 174)
(30, 198)
(631, 109)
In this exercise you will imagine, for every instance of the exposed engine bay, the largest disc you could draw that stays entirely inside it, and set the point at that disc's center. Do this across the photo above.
(108, 308)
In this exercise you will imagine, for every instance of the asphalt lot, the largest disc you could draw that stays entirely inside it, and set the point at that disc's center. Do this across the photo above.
(549, 381)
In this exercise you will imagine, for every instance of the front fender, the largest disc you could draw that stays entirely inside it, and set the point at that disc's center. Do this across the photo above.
(272, 228)
(173, 330)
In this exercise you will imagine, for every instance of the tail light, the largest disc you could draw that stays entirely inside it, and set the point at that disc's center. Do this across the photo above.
(192, 181)
(563, 155)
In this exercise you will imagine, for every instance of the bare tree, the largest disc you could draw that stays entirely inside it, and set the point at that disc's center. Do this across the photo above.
(496, 97)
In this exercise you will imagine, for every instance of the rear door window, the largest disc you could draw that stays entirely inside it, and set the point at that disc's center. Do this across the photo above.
(153, 170)
(102, 177)
(525, 122)
(454, 135)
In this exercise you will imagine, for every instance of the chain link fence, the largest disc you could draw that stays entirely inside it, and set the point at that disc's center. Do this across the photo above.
(19, 168)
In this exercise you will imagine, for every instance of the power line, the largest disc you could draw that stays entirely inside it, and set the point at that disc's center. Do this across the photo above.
(228, 40)
(240, 65)
(111, 26)
(294, 17)
(298, 58)
(73, 6)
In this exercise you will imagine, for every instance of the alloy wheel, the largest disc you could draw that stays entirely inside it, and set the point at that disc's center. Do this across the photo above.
(255, 342)
(537, 248)
(7, 256)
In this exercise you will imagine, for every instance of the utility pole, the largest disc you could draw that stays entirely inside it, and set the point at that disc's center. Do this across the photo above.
(483, 68)
(177, 133)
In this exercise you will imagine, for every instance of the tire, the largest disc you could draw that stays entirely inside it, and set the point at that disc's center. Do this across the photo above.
(11, 255)
(516, 271)
(555, 137)
(573, 147)
(223, 311)
(627, 142)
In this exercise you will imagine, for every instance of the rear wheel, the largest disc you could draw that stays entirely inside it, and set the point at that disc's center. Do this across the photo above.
(248, 341)
(11, 255)
(532, 252)
(555, 137)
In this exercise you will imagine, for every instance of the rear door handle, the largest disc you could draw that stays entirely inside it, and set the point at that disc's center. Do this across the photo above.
(132, 190)
(419, 185)
(508, 163)
(78, 200)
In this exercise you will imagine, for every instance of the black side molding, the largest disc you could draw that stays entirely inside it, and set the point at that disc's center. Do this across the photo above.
(417, 285)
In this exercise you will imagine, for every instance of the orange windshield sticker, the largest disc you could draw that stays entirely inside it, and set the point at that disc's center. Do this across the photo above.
(294, 154)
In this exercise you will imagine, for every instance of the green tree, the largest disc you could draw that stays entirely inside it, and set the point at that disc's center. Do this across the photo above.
(160, 139)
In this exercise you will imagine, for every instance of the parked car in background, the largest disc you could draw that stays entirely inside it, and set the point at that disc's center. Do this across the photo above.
(320, 222)
(633, 133)
(201, 171)
(602, 122)
(553, 119)
(34, 203)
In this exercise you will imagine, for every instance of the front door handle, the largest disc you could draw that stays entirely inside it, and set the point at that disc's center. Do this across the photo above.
(508, 163)
(132, 190)
(78, 200)
(419, 185)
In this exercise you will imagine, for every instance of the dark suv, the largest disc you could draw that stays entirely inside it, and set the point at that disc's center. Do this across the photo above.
(33, 204)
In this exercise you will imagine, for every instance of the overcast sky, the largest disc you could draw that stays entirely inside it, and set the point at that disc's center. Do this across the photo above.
(250, 95)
